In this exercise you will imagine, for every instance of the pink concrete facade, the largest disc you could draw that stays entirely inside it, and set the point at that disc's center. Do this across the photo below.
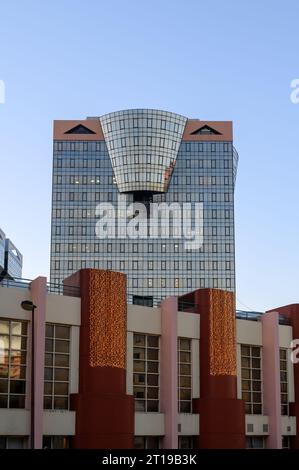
(38, 290)
(169, 371)
(271, 378)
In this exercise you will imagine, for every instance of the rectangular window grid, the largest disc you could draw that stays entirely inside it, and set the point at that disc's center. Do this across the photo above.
(57, 367)
(184, 375)
(146, 372)
(251, 379)
(284, 395)
(13, 357)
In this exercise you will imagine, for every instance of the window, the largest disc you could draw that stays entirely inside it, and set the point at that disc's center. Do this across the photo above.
(56, 442)
(146, 372)
(286, 444)
(150, 265)
(135, 265)
(284, 396)
(184, 375)
(150, 282)
(176, 282)
(13, 355)
(122, 266)
(251, 379)
(187, 442)
(147, 442)
(57, 363)
(255, 442)
(13, 442)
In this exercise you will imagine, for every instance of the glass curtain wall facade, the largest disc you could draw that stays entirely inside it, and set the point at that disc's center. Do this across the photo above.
(2, 250)
(147, 156)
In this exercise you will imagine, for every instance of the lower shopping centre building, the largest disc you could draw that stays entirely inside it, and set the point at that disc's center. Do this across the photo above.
(190, 373)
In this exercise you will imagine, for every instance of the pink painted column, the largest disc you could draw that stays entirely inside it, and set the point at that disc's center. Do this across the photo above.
(271, 378)
(169, 371)
(38, 289)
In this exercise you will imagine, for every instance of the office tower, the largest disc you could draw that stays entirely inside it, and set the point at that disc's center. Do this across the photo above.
(11, 259)
(147, 156)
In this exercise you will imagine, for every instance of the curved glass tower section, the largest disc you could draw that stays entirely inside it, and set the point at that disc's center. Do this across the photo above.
(143, 145)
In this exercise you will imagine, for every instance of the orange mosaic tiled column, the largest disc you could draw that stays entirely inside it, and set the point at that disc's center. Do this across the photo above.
(104, 412)
(222, 415)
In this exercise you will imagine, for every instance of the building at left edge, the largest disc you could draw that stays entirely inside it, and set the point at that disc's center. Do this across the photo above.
(189, 373)
(11, 259)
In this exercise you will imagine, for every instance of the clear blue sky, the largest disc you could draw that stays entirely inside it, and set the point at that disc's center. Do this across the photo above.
(220, 60)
